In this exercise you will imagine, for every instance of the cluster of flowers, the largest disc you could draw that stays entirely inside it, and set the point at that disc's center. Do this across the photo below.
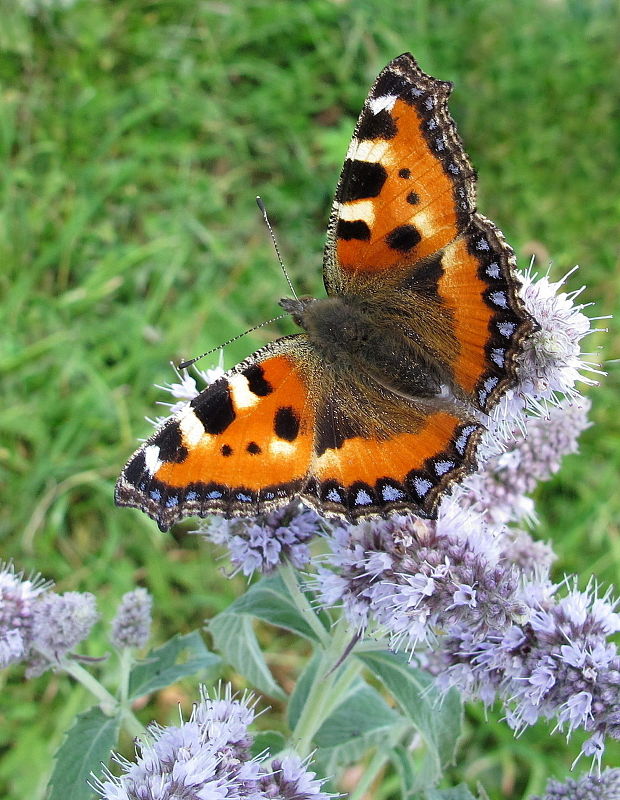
(605, 786)
(40, 627)
(260, 545)
(208, 757)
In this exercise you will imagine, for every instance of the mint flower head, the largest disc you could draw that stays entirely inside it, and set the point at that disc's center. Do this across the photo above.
(208, 758)
(264, 542)
(413, 578)
(289, 779)
(60, 622)
(500, 488)
(560, 664)
(551, 363)
(132, 624)
(18, 596)
(605, 786)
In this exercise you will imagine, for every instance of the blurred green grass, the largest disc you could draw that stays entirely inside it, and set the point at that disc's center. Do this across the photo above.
(134, 136)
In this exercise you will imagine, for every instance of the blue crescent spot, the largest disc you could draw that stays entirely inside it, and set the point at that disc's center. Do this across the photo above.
(506, 328)
(334, 496)
(497, 355)
(500, 299)
(422, 486)
(461, 442)
(362, 498)
(441, 467)
(391, 493)
(493, 270)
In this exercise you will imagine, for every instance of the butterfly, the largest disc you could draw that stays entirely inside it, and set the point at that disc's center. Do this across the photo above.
(376, 406)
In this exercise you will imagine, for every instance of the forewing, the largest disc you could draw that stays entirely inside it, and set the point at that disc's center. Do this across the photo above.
(242, 446)
(404, 232)
(407, 188)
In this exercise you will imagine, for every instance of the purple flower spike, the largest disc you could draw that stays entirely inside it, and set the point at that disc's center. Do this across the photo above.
(60, 621)
(132, 624)
(18, 596)
(414, 578)
(559, 665)
(605, 786)
(208, 758)
(499, 489)
(261, 544)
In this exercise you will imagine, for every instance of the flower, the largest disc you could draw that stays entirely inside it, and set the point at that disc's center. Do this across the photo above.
(289, 779)
(414, 578)
(550, 363)
(59, 623)
(132, 623)
(532, 453)
(558, 665)
(262, 543)
(528, 555)
(605, 786)
(17, 599)
(208, 758)
(187, 388)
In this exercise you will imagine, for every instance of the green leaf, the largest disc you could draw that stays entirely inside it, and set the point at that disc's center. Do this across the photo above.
(361, 722)
(87, 744)
(270, 601)
(179, 657)
(362, 712)
(233, 635)
(271, 741)
(460, 792)
(297, 700)
(437, 717)
(401, 758)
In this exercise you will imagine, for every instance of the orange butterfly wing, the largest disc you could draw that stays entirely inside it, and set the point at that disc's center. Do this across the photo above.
(405, 215)
(242, 445)
(407, 187)
(261, 435)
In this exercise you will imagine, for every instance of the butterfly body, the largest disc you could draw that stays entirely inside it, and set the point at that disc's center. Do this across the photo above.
(377, 405)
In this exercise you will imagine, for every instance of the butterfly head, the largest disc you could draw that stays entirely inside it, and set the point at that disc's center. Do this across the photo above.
(297, 307)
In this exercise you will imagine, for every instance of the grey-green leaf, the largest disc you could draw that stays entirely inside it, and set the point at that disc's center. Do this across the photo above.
(297, 700)
(401, 758)
(233, 635)
(270, 600)
(179, 657)
(361, 722)
(361, 713)
(270, 741)
(460, 792)
(86, 746)
(437, 717)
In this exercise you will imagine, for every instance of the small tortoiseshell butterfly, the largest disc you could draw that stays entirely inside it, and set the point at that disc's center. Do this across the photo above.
(372, 408)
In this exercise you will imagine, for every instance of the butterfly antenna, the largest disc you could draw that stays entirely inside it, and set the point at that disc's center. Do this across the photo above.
(186, 364)
(261, 205)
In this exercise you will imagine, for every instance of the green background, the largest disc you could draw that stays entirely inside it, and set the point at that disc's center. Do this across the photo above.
(134, 137)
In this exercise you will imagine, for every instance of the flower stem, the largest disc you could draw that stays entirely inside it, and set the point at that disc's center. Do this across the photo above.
(322, 697)
(109, 704)
(289, 576)
(376, 764)
(126, 661)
